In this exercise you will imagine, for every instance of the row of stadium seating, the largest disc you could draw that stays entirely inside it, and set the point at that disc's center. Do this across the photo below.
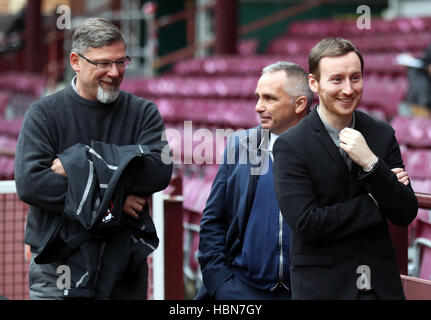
(17, 91)
(414, 132)
(23, 82)
(197, 87)
(180, 98)
(371, 44)
(418, 163)
(375, 63)
(236, 113)
(4, 101)
(10, 127)
(421, 185)
(345, 28)
(6, 167)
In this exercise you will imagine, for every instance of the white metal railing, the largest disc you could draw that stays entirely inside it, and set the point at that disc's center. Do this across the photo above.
(416, 259)
(7, 186)
(159, 254)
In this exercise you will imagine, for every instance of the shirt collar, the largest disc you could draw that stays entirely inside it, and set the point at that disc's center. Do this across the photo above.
(272, 139)
(332, 130)
(74, 85)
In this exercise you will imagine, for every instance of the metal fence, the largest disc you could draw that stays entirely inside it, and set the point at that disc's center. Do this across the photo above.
(15, 254)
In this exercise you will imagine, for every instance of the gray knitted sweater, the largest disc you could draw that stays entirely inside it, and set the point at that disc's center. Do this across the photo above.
(56, 122)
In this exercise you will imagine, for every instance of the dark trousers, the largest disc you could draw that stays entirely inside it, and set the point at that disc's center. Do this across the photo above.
(235, 289)
(132, 286)
(43, 283)
(366, 295)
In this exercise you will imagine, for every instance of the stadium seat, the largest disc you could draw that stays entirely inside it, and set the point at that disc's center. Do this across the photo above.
(10, 127)
(421, 184)
(197, 186)
(413, 131)
(236, 113)
(4, 100)
(418, 164)
(248, 47)
(6, 167)
(7, 143)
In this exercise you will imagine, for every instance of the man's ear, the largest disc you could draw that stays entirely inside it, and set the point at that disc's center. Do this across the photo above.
(300, 104)
(74, 61)
(313, 83)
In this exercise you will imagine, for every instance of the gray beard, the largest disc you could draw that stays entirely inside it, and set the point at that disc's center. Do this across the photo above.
(107, 96)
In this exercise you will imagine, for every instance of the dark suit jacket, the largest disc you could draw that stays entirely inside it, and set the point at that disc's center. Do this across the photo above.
(336, 226)
(228, 207)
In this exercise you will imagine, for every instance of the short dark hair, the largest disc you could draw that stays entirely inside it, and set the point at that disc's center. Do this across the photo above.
(330, 47)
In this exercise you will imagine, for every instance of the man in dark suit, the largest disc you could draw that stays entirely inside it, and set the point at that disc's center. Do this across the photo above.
(336, 190)
(244, 242)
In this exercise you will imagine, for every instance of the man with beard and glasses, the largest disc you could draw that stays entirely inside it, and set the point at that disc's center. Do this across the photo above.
(91, 118)
(338, 179)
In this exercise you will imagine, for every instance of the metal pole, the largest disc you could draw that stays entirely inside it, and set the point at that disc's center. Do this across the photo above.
(33, 38)
(203, 29)
(226, 26)
(150, 50)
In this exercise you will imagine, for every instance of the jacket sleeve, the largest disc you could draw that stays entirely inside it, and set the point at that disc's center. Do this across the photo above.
(300, 206)
(153, 172)
(36, 183)
(212, 253)
(397, 202)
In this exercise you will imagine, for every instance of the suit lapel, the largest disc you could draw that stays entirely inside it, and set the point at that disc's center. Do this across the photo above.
(361, 125)
(326, 141)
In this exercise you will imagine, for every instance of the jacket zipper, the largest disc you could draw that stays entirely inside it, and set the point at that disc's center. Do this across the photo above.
(281, 260)
(280, 242)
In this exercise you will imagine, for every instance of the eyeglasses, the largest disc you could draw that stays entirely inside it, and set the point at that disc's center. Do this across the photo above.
(122, 64)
